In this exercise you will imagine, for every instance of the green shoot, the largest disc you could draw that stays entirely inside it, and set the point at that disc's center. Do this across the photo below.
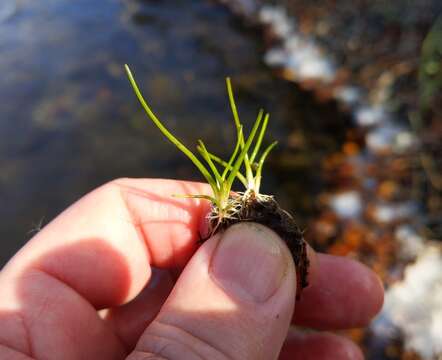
(253, 180)
(259, 141)
(205, 154)
(166, 132)
(260, 165)
(243, 153)
(232, 158)
(228, 166)
(249, 173)
(221, 181)
(205, 197)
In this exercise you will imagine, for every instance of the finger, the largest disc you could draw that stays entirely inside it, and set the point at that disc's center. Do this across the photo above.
(130, 320)
(120, 230)
(314, 346)
(234, 300)
(96, 254)
(10, 354)
(343, 294)
(312, 314)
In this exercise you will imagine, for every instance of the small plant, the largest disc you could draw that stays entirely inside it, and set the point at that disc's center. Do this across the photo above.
(230, 207)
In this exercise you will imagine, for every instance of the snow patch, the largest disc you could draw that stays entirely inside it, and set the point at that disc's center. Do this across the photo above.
(347, 204)
(414, 305)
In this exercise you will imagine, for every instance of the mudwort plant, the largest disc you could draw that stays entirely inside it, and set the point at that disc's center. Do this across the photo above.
(245, 164)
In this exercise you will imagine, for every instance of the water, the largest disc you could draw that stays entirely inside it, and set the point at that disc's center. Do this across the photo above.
(70, 122)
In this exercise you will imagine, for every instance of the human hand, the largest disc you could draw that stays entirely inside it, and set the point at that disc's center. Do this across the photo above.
(85, 286)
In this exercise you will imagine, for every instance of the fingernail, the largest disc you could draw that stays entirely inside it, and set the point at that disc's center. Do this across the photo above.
(249, 262)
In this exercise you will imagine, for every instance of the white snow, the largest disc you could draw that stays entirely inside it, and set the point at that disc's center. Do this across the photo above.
(347, 204)
(410, 242)
(348, 94)
(390, 212)
(298, 53)
(415, 304)
(382, 138)
(370, 115)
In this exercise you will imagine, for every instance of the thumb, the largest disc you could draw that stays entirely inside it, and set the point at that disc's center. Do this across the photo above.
(234, 300)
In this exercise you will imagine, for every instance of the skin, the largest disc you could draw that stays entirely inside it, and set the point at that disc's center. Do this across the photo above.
(93, 284)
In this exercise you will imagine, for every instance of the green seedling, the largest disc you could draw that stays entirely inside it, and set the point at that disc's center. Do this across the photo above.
(245, 164)
(221, 177)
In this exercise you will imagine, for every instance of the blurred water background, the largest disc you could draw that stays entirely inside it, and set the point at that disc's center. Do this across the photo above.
(354, 95)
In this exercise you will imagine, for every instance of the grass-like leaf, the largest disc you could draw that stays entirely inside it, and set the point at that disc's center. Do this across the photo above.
(259, 140)
(260, 165)
(247, 164)
(187, 196)
(167, 133)
(244, 151)
(221, 181)
(228, 166)
(205, 154)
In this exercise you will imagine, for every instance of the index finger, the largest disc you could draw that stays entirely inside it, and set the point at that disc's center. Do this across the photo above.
(104, 245)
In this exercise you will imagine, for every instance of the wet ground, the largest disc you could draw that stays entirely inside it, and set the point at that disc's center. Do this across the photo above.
(70, 122)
